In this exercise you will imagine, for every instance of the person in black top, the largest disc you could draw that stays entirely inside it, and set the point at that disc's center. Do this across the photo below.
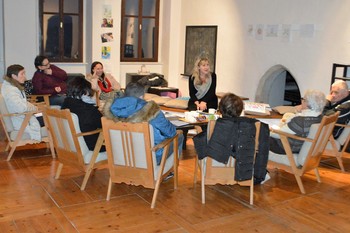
(202, 87)
(79, 101)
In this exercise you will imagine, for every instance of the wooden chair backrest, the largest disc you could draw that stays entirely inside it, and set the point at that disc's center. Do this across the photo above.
(66, 137)
(311, 151)
(344, 137)
(129, 150)
(219, 173)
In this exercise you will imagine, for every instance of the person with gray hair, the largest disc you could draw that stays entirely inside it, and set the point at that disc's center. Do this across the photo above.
(339, 100)
(312, 106)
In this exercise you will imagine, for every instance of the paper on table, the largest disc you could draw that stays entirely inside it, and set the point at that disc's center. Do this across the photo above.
(173, 114)
(272, 122)
(179, 123)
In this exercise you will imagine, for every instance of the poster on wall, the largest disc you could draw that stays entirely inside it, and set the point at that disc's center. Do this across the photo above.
(259, 32)
(286, 33)
(272, 30)
(200, 42)
(107, 37)
(106, 52)
(107, 20)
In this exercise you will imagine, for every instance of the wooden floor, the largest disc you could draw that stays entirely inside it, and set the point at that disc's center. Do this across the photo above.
(31, 200)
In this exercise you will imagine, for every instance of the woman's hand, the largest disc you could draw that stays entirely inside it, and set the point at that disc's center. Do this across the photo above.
(58, 89)
(202, 106)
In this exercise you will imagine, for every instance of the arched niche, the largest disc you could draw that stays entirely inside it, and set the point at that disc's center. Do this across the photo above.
(278, 87)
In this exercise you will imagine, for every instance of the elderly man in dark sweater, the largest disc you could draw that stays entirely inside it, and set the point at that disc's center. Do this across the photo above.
(339, 100)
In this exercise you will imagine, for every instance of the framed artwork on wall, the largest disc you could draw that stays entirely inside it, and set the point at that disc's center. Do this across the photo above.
(200, 42)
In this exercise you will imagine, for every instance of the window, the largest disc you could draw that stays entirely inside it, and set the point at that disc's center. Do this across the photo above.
(61, 23)
(139, 30)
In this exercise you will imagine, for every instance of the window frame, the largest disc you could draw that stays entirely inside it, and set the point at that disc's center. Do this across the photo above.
(61, 57)
(139, 17)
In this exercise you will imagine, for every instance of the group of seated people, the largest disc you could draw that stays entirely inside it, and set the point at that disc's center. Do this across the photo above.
(52, 80)
(78, 96)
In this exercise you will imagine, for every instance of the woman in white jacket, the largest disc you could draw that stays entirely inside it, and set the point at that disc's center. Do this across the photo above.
(13, 93)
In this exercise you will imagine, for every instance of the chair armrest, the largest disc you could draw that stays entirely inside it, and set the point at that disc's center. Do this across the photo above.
(288, 135)
(96, 131)
(342, 125)
(34, 98)
(166, 141)
(18, 114)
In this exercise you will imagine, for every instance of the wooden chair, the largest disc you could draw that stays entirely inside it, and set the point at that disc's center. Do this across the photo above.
(311, 151)
(337, 147)
(39, 100)
(214, 172)
(131, 156)
(19, 137)
(70, 144)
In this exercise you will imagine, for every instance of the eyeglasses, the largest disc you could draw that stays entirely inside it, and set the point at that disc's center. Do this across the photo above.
(46, 64)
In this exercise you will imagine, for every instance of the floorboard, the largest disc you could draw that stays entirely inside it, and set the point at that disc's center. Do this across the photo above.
(31, 200)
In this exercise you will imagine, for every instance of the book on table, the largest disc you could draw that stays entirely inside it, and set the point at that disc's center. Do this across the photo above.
(254, 108)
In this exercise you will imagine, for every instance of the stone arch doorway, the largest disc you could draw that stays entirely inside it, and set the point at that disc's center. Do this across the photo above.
(278, 87)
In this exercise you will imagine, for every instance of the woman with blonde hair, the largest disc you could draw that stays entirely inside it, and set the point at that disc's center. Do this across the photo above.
(202, 86)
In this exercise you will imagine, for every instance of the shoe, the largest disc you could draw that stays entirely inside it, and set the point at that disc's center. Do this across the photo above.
(169, 176)
(267, 177)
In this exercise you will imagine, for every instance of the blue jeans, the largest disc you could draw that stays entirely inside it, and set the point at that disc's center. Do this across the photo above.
(171, 148)
(57, 99)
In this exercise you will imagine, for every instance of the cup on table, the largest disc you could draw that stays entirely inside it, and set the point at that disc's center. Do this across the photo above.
(189, 117)
(211, 110)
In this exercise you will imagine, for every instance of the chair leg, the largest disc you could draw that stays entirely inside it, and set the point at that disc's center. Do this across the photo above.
(11, 153)
(7, 147)
(195, 170)
(19, 135)
(202, 181)
(251, 196)
(155, 193)
(340, 162)
(58, 172)
(159, 178)
(109, 191)
(318, 177)
(93, 160)
(52, 147)
(86, 178)
(300, 184)
(176, 162)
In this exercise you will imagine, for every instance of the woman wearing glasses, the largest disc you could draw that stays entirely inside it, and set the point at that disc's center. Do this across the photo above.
(49, 79)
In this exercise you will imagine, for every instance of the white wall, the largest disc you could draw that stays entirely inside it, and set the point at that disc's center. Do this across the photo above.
(242, 60)
(2, 62)
(111, 65)
(20, 33)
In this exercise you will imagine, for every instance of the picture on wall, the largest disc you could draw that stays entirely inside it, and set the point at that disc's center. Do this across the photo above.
(200, 42)
(107, 37)
(107, 21)
(106, 52)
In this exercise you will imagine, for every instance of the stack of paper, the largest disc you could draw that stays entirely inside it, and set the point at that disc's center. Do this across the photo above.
(255, 108)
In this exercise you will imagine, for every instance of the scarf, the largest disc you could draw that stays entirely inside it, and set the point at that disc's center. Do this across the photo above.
(104, 85)
(203, 88)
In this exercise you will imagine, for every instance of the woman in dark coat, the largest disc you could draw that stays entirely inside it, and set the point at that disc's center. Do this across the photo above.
(79, 101)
